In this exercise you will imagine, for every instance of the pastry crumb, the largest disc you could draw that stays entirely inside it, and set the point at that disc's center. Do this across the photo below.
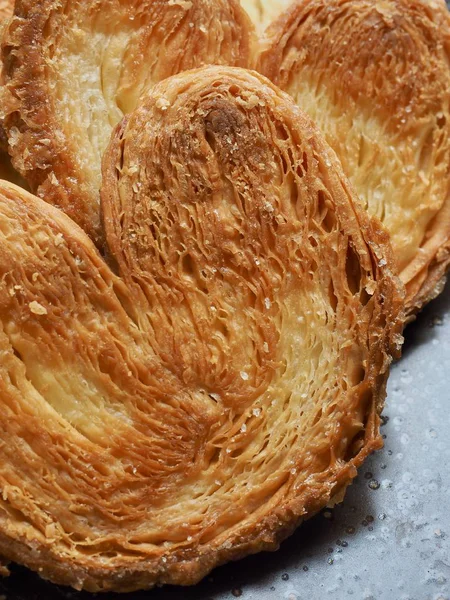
(162, 103)
(37, 309)
(59, 239)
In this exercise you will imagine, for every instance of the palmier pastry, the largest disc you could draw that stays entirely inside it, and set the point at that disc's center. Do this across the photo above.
(375, 77)
(224, 384)
(74, 67)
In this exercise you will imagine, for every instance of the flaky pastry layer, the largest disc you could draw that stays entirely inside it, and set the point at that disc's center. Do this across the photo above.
(375, 77)
(73, 68)
(224, 381)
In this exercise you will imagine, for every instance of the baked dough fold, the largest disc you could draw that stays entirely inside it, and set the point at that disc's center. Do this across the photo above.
(225, 380)
(73, 68)
(375, 77)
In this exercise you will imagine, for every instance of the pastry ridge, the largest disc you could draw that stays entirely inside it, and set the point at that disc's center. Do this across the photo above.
(220, 385)
(375, 78)
(74, 68)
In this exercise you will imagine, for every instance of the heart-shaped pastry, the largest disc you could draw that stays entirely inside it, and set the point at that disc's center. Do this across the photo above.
(224, 381)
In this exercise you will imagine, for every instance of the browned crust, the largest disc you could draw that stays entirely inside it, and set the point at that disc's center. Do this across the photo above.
(380, 318)
(39, 144)
(362, 67)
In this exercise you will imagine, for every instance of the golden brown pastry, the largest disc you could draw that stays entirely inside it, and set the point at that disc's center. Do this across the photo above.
(74, 67)
(227, 382)
(375, 77)
(263, 12)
